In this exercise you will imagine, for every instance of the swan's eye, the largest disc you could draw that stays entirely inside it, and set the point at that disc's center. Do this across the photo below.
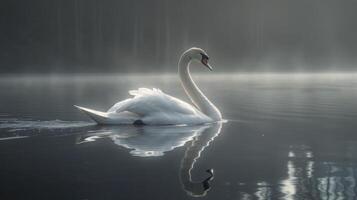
(204, 59)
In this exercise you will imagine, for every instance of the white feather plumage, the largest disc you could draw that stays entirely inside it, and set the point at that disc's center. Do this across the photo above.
(154, 107)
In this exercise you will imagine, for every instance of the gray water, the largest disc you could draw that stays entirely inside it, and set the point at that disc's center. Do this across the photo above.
(285, 137)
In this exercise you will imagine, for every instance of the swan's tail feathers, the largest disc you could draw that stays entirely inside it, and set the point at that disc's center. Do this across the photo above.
(99, 117)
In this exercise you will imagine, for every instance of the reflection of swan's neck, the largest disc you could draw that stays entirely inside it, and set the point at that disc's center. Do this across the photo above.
(194, 93)
(193, 152)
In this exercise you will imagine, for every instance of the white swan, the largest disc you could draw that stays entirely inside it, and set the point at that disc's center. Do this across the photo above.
(153, 107)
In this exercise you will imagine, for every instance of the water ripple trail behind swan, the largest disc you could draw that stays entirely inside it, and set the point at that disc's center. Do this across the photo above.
(14, 128)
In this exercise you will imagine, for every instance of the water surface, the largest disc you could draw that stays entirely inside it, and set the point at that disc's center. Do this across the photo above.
(287, 137)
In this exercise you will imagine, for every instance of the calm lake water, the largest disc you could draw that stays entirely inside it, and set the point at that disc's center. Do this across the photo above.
(286, 137)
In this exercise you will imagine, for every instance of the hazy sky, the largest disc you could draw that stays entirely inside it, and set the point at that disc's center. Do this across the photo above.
(149, 35)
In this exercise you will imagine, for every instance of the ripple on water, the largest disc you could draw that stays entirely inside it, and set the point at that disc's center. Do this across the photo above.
(17, 128)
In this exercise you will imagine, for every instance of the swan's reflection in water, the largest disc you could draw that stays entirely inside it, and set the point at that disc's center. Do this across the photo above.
(193, 152)
(146, 141)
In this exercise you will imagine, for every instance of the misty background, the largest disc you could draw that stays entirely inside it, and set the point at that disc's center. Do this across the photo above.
(41, 36)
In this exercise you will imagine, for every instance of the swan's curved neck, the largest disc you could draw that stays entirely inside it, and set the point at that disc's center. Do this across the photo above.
(194, 93)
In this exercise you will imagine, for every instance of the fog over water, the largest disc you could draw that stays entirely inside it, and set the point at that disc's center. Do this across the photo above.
(40, 36)
(284, 79)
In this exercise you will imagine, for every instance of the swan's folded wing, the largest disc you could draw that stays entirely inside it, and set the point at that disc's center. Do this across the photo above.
(122, 105)
(147, 101)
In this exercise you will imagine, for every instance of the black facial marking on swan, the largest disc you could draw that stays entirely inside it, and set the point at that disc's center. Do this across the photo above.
(204, 56)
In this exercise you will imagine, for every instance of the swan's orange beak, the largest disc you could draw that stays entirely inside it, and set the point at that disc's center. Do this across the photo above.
(205, 63)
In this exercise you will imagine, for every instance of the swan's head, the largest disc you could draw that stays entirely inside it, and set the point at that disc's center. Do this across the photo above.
(197, 54)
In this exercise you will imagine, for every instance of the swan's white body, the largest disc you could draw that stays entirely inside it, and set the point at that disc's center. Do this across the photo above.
(153, 107)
